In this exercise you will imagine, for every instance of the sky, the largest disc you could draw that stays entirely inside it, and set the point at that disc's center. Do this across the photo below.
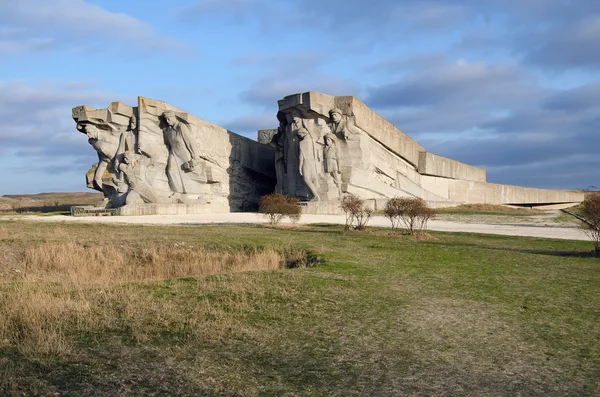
(512, 86)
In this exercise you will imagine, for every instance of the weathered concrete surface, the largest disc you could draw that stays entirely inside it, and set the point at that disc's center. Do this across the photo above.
(158, 159)
(366, 119)
(468, 192)
(435, 165)
(378, 161)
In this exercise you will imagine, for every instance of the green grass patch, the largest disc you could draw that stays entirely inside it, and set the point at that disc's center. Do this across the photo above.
(380, 314)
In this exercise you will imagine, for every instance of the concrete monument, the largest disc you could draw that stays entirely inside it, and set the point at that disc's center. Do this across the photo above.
(155, 158)
(359, 152)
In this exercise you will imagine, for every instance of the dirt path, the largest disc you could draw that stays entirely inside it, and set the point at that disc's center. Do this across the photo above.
(567, 233)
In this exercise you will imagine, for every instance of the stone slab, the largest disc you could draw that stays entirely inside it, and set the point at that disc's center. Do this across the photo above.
(435, 165)
(472, 192)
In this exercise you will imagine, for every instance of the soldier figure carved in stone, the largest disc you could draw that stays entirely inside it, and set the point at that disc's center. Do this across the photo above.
(105, 144)
(331, 160)
(278, 144)
(342, 126)
(308, 156)
(182, 151)
(129, 179)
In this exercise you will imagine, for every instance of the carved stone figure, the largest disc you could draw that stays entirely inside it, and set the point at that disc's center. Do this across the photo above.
(277, 143)
(129, 178)
(127, 142)
(182, 151)
(331, 160)
(308, 156)
(342, 126)
(105, 143)
(151, 161)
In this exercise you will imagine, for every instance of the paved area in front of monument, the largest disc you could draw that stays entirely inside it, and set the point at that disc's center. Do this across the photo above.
(380, 221)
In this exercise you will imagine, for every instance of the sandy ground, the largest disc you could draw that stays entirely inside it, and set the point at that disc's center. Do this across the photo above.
(198, 219)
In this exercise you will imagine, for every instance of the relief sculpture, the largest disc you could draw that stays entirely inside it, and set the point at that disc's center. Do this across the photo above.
(308, 156)
(331, 160)
(150, 154)
(183, 157)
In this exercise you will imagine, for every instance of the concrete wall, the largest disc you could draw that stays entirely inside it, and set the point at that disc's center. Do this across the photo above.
(435, 165)
(491, 193)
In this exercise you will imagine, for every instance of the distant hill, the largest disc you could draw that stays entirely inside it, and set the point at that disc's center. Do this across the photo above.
(47, 202)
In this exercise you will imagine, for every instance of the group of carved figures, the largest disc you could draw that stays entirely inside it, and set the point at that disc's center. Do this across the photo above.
(309, 151)
(131, 164)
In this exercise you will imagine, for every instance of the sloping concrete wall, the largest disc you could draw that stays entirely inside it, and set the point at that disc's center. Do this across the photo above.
(387, 162)
(472, 192)
(435, 165)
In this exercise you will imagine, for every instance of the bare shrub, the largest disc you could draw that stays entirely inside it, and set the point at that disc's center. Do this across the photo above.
(357, 216)
(410, 213)
(276, 206)
(590, 216)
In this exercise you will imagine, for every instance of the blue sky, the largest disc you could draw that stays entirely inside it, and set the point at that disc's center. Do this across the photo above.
(509, 85)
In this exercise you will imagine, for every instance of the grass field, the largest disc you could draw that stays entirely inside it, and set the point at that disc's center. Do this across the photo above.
(241, 311)
(505, 215)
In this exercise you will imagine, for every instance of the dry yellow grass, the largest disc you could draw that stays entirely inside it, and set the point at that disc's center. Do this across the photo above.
(67, 289)
(75, 263)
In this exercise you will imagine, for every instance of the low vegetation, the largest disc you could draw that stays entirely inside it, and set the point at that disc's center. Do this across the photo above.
(357, 215)
(490, 209)
(588, 212)
(409, 213)
(90, 309)
(276, 206)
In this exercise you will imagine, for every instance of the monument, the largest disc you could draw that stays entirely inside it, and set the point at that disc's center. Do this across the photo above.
(157, 159)
(327, 146)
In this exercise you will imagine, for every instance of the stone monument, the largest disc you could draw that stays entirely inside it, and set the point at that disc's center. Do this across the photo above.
(327, 146)
(157, 159)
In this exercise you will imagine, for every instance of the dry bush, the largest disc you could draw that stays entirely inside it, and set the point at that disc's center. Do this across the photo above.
(276, 206)
(410, 213)
(590, 216)
(357, 216)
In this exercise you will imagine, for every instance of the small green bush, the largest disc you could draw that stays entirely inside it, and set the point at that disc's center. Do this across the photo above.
(276, 206)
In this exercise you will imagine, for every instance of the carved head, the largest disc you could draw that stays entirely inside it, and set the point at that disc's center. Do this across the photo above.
(91, 131)
(302, 132)
(296, 118)
(335, 115)
(329, 139)
(132, 123)
(170, 117)
(128, 157)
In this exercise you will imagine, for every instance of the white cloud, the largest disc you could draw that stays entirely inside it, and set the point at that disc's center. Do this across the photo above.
(36, 25)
